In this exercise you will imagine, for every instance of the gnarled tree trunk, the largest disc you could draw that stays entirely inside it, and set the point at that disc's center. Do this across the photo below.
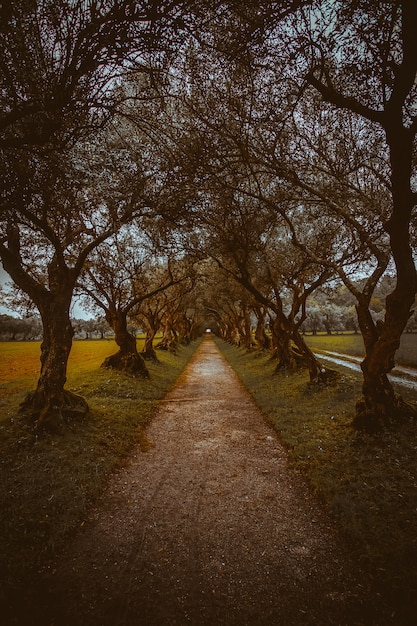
(317, 373)
(293, 352)
(50, 404)
(380, 405)
(281, 345)
(186, 329)
(127, 359)
(169, 338)
(148, 352)
(262, 340)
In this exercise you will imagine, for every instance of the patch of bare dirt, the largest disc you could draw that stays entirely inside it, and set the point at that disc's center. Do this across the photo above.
(208, 526)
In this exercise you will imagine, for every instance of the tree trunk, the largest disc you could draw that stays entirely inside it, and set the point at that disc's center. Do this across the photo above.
(380, 406)
(127, 359)
(148, 351)
(288, 358)
(281, 346)
(247, 331)
(195, 331)
(317, 373)
(327, 325)
(168, 337)
(50, 405)
(186, 327)
(235, 337)
(262, 340)
(293, 357)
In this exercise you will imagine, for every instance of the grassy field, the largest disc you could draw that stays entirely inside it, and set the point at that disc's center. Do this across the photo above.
(19, 360)
(367, 483)
(353, 344)
(47, 484)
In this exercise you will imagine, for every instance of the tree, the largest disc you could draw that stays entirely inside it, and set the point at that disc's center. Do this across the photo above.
(262, 339)
(120, 276)
(252, 245)
(175, 321)
(349, 184)
(48, 231)
(242, 208)
(379, 85)
(61, 63)
(150, 316)
(24, 328)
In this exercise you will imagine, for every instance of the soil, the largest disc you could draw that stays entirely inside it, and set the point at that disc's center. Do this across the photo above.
(206, 525)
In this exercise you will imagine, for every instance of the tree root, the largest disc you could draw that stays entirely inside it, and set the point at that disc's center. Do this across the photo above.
(287, 366)
(326, 376)
(383, 415)
(130, 362)
(150, 355)
(52, 415)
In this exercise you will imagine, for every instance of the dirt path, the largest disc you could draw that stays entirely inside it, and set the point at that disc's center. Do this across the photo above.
(208, 527)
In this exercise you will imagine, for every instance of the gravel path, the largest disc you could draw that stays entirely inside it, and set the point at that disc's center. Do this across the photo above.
(207, 527)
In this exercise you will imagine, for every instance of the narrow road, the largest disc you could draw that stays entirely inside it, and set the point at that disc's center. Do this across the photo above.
(209, 526)
(400, 375)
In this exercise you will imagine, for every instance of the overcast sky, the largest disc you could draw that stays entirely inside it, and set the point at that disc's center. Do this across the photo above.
(3, 278)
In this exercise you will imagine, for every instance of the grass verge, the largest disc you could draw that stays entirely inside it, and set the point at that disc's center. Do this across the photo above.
(368, 484)
(47, 484)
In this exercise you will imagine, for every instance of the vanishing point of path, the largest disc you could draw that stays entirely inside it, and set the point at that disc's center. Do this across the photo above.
(209, 526)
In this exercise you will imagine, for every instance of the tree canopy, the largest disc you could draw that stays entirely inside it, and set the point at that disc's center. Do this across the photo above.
(266, 151)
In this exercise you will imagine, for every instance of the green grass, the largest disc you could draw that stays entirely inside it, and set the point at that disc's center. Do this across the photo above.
(48, 483)
(368, 484)
(350, 343)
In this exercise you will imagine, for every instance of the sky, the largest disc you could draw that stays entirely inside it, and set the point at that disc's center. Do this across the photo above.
(4, 277)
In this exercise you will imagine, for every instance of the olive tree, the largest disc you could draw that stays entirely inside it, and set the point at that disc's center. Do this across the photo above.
(48, 231)
(120, 276)
(365, 63)
(64, 193)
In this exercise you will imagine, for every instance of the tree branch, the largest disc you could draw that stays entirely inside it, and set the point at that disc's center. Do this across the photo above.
(332, 96)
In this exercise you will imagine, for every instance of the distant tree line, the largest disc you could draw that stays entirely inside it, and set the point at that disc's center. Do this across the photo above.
(20, 328)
